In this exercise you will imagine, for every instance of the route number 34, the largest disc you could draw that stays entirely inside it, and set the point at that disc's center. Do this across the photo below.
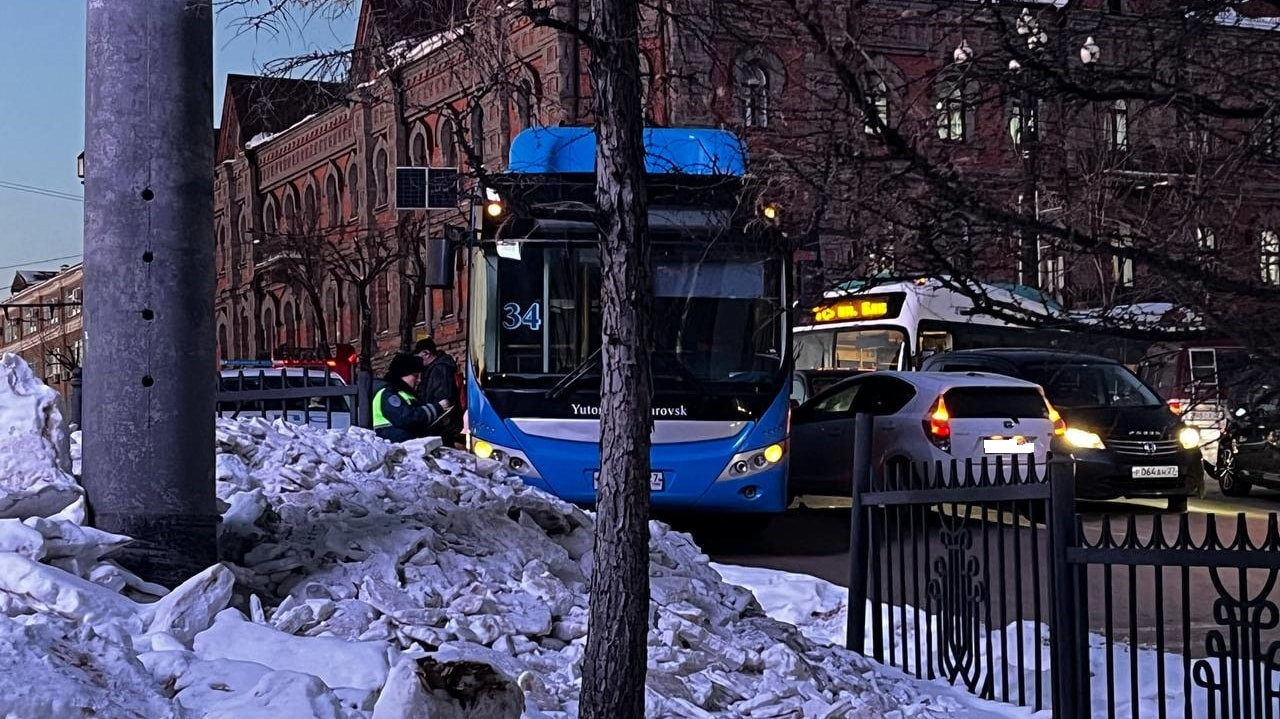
(513, 317)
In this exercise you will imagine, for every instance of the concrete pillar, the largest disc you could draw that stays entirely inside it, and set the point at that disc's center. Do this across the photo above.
(149, 282)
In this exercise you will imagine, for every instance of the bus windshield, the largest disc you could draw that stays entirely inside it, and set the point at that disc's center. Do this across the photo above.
(876, 348)
(716, 317)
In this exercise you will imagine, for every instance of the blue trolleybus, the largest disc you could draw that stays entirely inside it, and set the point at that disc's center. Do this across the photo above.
(721, 354)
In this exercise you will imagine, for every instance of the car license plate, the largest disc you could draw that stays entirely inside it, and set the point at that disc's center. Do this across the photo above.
(1008, 445)
(657, 480)
(1154, 472)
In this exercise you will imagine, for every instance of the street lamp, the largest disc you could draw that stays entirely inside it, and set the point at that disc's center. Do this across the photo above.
(80, 167)
(1089, 52)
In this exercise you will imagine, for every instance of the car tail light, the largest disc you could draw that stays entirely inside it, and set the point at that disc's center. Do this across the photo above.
(1059, 424)
(938, 425)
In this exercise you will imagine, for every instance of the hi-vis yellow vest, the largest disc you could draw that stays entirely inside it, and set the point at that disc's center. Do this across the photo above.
(380, 421)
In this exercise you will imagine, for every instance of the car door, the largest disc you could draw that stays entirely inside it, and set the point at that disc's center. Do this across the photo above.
(821, 435)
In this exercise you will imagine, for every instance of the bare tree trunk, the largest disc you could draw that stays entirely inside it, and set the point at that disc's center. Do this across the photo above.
(616, 655)
(319, 326)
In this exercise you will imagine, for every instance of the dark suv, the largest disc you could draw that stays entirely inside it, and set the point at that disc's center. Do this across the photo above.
(1124, 440)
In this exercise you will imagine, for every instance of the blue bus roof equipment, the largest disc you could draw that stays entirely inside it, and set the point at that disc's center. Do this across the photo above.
(675, 151)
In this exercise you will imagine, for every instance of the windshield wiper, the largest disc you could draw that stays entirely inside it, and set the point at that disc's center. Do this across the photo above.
(578, 373)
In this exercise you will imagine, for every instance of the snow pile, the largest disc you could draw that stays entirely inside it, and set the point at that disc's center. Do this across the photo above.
(34, 459)
(349, 538)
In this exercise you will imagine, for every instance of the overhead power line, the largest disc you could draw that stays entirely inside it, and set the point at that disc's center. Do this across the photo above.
(42, 191)
(41, 262)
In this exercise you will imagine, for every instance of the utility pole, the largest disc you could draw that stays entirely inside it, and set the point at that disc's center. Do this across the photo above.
(149, 282)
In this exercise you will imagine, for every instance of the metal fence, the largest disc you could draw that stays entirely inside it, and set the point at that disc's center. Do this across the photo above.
(988, 578)
(312, 398)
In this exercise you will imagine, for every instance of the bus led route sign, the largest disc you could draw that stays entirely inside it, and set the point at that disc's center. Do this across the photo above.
(857, 308)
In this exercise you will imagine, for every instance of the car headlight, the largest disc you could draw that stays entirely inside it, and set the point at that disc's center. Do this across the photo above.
(1189, 437)
(1083, 439)
(512, 460)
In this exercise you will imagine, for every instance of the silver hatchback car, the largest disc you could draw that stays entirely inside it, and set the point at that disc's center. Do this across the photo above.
(920, 416)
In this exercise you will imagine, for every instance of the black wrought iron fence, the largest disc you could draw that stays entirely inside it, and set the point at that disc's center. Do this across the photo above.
(986, 577)
(315, 397)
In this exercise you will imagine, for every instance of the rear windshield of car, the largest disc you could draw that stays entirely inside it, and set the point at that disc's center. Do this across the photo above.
(1087, 385)
(984, 402)
(250, 383)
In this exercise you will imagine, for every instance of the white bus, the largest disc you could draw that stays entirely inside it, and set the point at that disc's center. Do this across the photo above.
(894, 326)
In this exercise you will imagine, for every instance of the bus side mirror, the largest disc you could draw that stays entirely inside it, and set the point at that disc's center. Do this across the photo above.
(439, 257)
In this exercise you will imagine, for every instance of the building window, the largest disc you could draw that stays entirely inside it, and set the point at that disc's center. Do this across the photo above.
(221, 262)
(1024, 120)
(269, 218)
(1053, 270)
(1270, 257)
(421, 150)
(270, 332)
(290, 211)
(380, 177)
(448, 143)
(1122, 265)
(223, 348)
(1117, 125)
(331, 314)
(310, 211)
(244, 237)
(290, 324)
(953, 111)
(333, 198)
(1269, 136)
(477, 132)
(73, 299)
(646, 87)
(353, 188)
(878, 100)
(755, 95)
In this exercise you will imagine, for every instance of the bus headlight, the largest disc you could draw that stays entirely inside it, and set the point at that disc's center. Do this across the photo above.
(512, 460)
(1189, 437)
(1083, 439)
(745, 464)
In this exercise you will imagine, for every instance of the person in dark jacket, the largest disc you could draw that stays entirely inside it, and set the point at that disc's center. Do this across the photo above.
(440, 383)
(398, 415)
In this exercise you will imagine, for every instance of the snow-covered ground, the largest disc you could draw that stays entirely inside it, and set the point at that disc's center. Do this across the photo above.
(379, 582)
(820, 610)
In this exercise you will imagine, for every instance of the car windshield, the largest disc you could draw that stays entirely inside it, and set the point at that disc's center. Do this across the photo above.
(1090, 385)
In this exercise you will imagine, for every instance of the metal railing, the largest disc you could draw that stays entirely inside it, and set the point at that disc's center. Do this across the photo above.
(988, 578)
(305, 398)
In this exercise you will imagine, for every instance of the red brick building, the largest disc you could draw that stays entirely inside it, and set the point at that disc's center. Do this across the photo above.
(42, 323)
(306, 165)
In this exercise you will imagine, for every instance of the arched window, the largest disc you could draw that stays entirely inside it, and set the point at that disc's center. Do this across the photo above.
(646, 86)
(1117, 125)
(955, 109)
(270, 222)
(380, 177)
(755, 96)
(333, 198)
(420, 153)
(224, 348)
(353, 187)
(529, 99)
(290, 313)
(310, 218)
(477, 131)
(244, 237)
(290, 211)
(269, 330)
(448, 143)
(244, 347)
(878, 98)
(1270, 256)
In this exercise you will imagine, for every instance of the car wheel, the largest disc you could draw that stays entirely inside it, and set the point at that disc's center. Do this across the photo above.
(1229, 478)
(1178, 505)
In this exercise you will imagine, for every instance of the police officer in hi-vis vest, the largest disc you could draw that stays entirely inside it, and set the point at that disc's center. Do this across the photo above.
(397, 414)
